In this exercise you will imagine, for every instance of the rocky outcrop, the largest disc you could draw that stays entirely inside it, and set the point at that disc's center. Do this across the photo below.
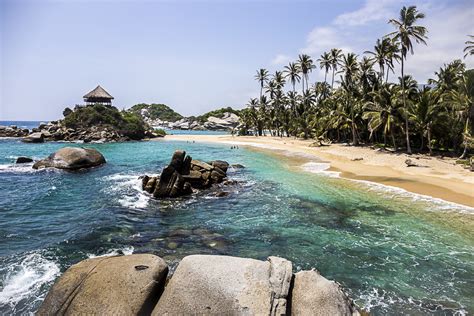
(34, 138)
(223, 285)
(72, 158)
(313, 294)
(184, 174)
(126, 285)
(201, 285)
(227, 122)
(13, 131)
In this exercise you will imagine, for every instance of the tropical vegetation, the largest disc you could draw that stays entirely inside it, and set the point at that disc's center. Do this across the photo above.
(156, 111)
(356, 102)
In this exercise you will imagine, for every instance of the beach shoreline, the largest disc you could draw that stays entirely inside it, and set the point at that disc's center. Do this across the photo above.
(438, 177)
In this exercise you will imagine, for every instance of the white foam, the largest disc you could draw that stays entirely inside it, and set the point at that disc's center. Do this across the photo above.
(26, 279)
(114, 252)
(17, 168)
(130, 190)
(320, 168)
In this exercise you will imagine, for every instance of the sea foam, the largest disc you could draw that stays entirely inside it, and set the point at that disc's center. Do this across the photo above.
(24, 280)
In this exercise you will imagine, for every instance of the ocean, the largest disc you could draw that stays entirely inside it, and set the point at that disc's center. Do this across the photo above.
(395, 252)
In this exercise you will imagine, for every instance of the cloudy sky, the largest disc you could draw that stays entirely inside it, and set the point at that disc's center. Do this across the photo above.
(192, 55)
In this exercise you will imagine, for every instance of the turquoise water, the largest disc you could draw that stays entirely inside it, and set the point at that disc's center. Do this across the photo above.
(395, 252)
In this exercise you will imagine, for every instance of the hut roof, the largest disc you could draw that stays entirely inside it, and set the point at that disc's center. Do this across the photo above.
(98, 92)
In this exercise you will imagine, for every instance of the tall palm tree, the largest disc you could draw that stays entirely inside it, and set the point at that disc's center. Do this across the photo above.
(335, 58)
(469, 49)
(406, 31)
(279, 79)
(379, 53)
(325, 63)
(292, 71)
(262, 77)
(306, 66)
(350, 70)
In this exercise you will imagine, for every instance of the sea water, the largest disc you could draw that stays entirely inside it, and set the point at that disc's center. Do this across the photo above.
(395, 252)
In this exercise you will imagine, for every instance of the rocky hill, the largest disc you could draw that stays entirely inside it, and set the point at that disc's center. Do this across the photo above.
(155, 113)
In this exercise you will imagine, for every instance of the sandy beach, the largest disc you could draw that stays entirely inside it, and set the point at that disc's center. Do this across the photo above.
(437, 177)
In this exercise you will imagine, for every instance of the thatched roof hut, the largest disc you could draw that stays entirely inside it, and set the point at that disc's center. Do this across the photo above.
(98, 95)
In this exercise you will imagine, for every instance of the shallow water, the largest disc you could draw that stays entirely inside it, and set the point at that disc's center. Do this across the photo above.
(394, 251)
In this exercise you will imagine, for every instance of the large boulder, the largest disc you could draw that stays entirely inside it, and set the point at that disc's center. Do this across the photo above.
(34, 138)
(223, 285)
(72, 158)
(313, 294)
(23, 160)
(13, 131)
(125, 285)
(184, 174)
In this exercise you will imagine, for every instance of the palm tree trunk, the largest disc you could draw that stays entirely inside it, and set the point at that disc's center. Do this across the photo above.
(429, 140)
(464, 153)
(393, 140)
(325, 76)
(332, 83)
(407, 131)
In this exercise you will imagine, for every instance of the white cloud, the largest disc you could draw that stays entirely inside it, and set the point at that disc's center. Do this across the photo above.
(373, 10)
(445, 41)
(280, 59)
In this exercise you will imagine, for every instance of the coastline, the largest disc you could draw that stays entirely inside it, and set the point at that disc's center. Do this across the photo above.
(439, 178)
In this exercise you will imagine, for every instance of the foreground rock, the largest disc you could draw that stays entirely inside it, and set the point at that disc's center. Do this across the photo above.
(227, 286)
(184, 174)
(13, 131)
(201, 285)
(72, 158)
(313, 294)
(126, 285)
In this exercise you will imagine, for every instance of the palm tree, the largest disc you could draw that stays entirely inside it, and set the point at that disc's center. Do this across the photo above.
(279, 79)
(425, 114)
(306, 66)
(406, 31)
(292, 72)
(325, 63)
(469, 49)
(379, 53)
(335, 57)
(350, 69)
(262, 77)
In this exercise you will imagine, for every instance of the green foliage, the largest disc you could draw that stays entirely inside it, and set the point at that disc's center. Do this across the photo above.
(217, 113)
(66, 112)
(157, 111)
(128, 124)
(160, 132)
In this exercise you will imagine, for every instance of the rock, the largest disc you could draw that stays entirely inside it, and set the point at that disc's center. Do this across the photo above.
(411, 163)
(34, 138)
(222, 165)
(227, 286)
(357, 159)
(221, 194)
(23, 160)
(200, 165)
(13, 131)
(124, 285)
(237, 166)
(151, 185)
(313, 294)
(145, 180)
(72, 158)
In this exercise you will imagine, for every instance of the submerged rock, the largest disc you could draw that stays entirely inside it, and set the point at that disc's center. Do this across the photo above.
(225, 285)
(72, 158)
(125, 285)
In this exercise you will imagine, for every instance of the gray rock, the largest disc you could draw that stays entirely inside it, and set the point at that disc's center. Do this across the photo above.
(223, 285)
(125, 285)
(222, 165)
(200, 165)
(34, 138)
(313, 294)
(72, 158)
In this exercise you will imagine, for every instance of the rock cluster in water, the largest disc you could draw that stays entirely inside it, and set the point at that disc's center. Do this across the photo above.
(13, 131)
(184, 174)
(201, 285)
(72, 158)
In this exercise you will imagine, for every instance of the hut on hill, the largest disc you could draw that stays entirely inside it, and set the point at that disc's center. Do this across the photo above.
(98, 95)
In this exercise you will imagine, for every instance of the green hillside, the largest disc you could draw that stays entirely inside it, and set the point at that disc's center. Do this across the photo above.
(157, 111)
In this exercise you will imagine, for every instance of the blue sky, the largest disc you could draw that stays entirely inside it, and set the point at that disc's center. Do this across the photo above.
(192, 55)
